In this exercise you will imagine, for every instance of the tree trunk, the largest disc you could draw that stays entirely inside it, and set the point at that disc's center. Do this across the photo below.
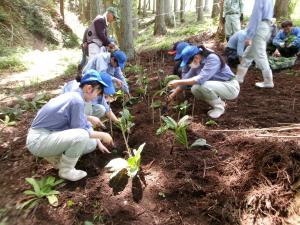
(62, 9)
(154, 6)
(199, 7)
(206, 6)
(134, 19)
(94, 8)
(176, 8)
(216, 9)
(140, 7)
(126, 43)
(168, 13)
(145, 8)
(160, 26)
(281, 9)
(182, 6)
(221, 31)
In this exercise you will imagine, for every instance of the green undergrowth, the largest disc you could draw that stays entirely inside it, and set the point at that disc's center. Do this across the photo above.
(11, 59)
(147, 41)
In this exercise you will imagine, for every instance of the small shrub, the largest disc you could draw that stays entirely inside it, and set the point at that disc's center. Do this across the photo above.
(11, 64)
(70, 70)
(70, 40)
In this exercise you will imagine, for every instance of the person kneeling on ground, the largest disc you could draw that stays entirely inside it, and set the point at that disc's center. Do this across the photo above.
(235, 48)
(287, 41)
(60, 132)
(211, 79)
(177, 50)
(112, 63)
(98, 107)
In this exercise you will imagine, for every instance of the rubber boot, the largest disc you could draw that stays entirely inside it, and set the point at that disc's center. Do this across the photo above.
(241, 73)
(268, 80)
(53, 160)
(218, 108)
(67, 169)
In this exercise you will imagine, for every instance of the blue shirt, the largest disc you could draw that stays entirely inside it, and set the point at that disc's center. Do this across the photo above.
(63, 112)
(262, 10)
(101, 63)
(282, 36)
(210, 69)
(73, 85)
(237, 42)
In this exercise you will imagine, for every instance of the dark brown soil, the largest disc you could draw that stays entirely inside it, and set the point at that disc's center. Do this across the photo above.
(243, 179)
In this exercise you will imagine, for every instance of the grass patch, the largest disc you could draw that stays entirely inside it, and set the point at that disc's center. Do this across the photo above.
(147, 41)
(11, 59)
(71, 70)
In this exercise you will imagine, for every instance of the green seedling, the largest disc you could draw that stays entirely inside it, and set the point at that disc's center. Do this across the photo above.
(37, 102)
(125, 125)
(70, 203)
(179, 129)
(211, 123)
(155, 105)
(41, 189)
(143, 82)
(7, 122)
(13, 113)
(123, 169)
(182, 108)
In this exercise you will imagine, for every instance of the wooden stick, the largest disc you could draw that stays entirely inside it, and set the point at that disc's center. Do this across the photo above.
(283, 128)
(278, 136)
(193, 108)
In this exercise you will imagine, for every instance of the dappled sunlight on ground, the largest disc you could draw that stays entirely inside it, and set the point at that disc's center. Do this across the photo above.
(42, 66)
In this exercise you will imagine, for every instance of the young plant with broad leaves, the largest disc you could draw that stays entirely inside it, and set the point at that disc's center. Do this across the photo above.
(182, 108)
(42, 188)
(180, 131)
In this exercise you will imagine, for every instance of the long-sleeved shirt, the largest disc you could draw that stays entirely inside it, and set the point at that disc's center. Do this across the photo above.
(210, 69)
(282, 36)
(63, 112)
(233, 7)
(262, 10)
(101, 63)
(73, 85)
(237, 42)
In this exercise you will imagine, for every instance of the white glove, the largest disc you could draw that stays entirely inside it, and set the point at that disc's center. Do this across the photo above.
(281, 44)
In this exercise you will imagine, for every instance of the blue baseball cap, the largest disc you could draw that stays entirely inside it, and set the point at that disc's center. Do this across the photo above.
(120, 56)
(188, 53)
(107, 78)
(92, 75)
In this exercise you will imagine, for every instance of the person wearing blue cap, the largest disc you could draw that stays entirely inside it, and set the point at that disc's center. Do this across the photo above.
(60, 132)
(211, 79)
(177, 50)
(98, 107)
(258, 34)
(112, 63)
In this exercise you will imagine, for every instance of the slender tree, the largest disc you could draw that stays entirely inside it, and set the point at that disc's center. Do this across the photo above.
(94, 8)
(199, 7)
(168, 13)
(182, 6)
(126, 30)
(144, 7)
(139, 7)
(159, 26)
(206, 6)
(221, 31)
(216, 9)
(281, 9)
(176, 8)
(62, 9)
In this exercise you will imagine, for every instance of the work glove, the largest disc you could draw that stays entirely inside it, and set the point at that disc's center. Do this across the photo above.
(242, 17)
(281, 44)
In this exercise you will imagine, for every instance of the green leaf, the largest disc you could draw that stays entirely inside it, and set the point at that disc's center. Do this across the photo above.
(52, 199)
(181, 136)
(200, 143)
(34, 184)
(161, 130)
(29, 203)
(184, 121)
(116, 165)
(88, 222)
(30, 192)
(170, 122)
(155, 104)
(70, 203)
(170, 78)
(211, 123)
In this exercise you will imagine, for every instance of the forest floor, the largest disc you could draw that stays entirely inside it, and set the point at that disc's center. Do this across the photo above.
(249, 176)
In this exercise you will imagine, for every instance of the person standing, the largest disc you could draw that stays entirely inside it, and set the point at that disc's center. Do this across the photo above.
(258, 34)
(97, 37)
(232, 16)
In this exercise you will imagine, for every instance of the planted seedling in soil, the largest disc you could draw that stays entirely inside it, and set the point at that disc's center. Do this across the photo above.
(41, 189)
(180, 132)
(142, 90)
(122, 170)
(182, 108)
